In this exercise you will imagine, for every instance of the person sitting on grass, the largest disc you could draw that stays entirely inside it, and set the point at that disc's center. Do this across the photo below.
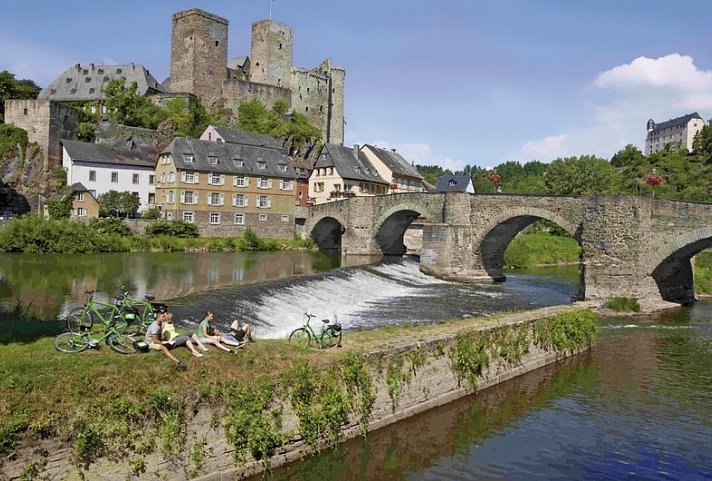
(237, 335)
(207, 335)
(170, 337)
(153, 339)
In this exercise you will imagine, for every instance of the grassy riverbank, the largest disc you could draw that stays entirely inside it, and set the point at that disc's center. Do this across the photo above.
(32, 234)
(99, 403)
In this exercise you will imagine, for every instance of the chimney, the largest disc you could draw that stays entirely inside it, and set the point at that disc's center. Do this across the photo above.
(356, 149)
(393, 150)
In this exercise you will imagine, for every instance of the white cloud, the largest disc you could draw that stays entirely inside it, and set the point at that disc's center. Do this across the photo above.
(661, 89)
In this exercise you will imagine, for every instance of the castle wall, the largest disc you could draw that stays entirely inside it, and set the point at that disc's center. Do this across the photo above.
(336, 114)
(271, 57)
(199, 54)
(237, 91)
(46, 123)
(310, 96)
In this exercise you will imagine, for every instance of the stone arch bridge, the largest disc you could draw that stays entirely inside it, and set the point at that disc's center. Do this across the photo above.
(632, 246)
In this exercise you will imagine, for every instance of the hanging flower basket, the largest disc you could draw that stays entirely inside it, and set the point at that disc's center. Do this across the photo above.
(494, 177)
(393, 186)
(654, 179)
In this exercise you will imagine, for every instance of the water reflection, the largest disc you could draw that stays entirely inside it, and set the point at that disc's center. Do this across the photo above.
(53, 283)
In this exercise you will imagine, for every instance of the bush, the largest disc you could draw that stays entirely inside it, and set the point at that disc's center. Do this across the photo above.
(623, 304)
(176, 228)
(249, 241)
(110, 225)
(151, 213)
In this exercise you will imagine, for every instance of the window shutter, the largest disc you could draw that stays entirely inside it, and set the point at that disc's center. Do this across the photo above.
(269, 200)
(195, 178)
(244, 200)
(269, 183)
(182, 197)
(247, 181)
(222, 199)
(234, 180)
(222, 179)
(182, 176)
(234, 200)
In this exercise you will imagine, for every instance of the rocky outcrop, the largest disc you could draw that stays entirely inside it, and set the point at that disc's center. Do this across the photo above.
(25, 180)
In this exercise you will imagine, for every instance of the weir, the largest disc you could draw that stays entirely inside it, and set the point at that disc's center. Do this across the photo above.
(632, 246)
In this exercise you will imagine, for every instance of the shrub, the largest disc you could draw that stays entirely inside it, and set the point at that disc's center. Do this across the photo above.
(151, 213)
(252, 242)
(60, 208)
(110, 225)
(623, 304)
(175, 228)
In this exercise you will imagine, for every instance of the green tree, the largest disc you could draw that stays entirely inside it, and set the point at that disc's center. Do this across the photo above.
(60, 208)
(115, 204)
(11, 88)
(128, 107)
(584, 175)
(702, 143)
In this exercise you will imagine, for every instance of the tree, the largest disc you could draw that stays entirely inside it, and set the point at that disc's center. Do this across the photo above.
(702, 143)
(584, 175)
(128, 107)
(114, 203)
(10, 88)
(60, 208)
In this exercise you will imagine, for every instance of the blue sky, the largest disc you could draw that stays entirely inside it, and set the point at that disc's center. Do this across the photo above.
(449, 82)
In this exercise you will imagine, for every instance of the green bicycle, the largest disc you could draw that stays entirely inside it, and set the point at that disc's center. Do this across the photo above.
(73, 342)
(82, 319)
(144, 309)
(329, 335)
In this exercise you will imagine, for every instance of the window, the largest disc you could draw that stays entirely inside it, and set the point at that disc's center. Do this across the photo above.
(214, 218)
(239, 200)
(189, 197)
(264, 201)
(319, 187)
(241, 181)
(188, 217)
(171, 197)
(81, 212)
(114, 177)
(135, 179)
(190, 177)
(151, 179)
(283, 167)
(264, 183)
(262, 165)
(213, 160)
(169, 215)
(92, 176)
(80, 196)
(240, 219)
(238, 162)
(337, 187)
(171, 177)
(263, 217)
(24, 111)
(188, 158)
(285, 184)
(285, 218)
(151, 198)
(215, 198)
(216, 179)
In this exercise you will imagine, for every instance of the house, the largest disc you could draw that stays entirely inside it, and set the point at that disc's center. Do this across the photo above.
(102, 168)
(401, 175)
(224, 187)
(341, 172)
(455, 183)
(84, 204)
(681, 129)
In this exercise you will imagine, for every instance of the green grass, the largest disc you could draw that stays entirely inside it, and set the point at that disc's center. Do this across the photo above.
(530, 249)
(623, 304)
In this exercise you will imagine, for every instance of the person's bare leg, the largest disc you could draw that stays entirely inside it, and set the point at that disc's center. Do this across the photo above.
(216, 343)
(194, 337)
(168, 354)
(248, 332)
(190, 346)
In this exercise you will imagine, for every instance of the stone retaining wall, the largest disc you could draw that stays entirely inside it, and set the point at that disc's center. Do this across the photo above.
(429, 381)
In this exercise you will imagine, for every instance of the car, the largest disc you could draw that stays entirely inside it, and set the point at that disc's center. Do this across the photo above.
(6, 215)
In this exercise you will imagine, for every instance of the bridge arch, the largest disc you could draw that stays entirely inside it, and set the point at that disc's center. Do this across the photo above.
(500, 231)
(327, 232)
(670, 265)
(391, 226)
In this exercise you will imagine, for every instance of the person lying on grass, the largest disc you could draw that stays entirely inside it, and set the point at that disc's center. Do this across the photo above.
(207, 335)
(237, 335)
(155, 343)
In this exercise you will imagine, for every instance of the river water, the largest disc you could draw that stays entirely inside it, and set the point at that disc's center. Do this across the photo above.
(637, 406)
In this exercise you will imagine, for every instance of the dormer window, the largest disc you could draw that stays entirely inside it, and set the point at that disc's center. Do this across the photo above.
(262, 165)
(188, 158)
(452, 183)
(213, 159)
(357, 168)
(283, 167)
(238, 162)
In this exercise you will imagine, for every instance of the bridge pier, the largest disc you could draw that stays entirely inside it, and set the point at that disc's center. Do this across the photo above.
(447, 254)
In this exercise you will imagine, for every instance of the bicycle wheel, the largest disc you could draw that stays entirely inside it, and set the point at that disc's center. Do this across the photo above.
(121, 343)
(331, 338)
(300, 337)
(71, 342)
(79, 320)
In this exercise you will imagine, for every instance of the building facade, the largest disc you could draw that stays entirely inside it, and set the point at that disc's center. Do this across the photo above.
(224, 188)
(680, 130)
(340, 173)
(101, 168)
(84, 203)
(391, 166)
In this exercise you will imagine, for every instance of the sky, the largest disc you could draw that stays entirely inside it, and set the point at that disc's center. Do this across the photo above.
(446, 82)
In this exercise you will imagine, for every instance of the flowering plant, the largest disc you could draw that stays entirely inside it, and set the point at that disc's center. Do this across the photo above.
(494, 177)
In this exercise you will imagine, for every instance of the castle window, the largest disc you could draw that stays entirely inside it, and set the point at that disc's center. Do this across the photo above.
(73, 91)
(105, 79)
(24, 111)
(118, 71)
(280, 46)
(321, 108)
(85, 71)
(69, 80)
(217, 43)
(91, 91)
(87, 79)
(307, 89)
(100, 71)
(307, 109)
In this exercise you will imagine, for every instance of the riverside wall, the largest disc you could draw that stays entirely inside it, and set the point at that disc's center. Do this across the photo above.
(427, 380)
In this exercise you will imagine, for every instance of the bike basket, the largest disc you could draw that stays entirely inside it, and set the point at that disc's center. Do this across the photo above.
(159, 307)
(140, 345)
(335, 327)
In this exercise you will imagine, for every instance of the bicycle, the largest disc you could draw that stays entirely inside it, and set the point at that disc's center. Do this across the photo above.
(82, 319)
(145, 310)
(329, 335)
(74, 342)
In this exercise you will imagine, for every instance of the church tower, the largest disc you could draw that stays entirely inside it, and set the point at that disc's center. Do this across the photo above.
(199, 54)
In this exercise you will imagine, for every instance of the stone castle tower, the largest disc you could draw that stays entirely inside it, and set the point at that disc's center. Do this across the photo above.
(199, 65)
(199, 54)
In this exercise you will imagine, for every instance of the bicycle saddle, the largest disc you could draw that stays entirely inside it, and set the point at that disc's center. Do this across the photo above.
(149, 298)
(325, 321)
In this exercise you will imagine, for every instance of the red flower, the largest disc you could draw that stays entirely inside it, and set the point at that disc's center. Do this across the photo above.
(494, 177)
(653, 179)
(393, 186)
